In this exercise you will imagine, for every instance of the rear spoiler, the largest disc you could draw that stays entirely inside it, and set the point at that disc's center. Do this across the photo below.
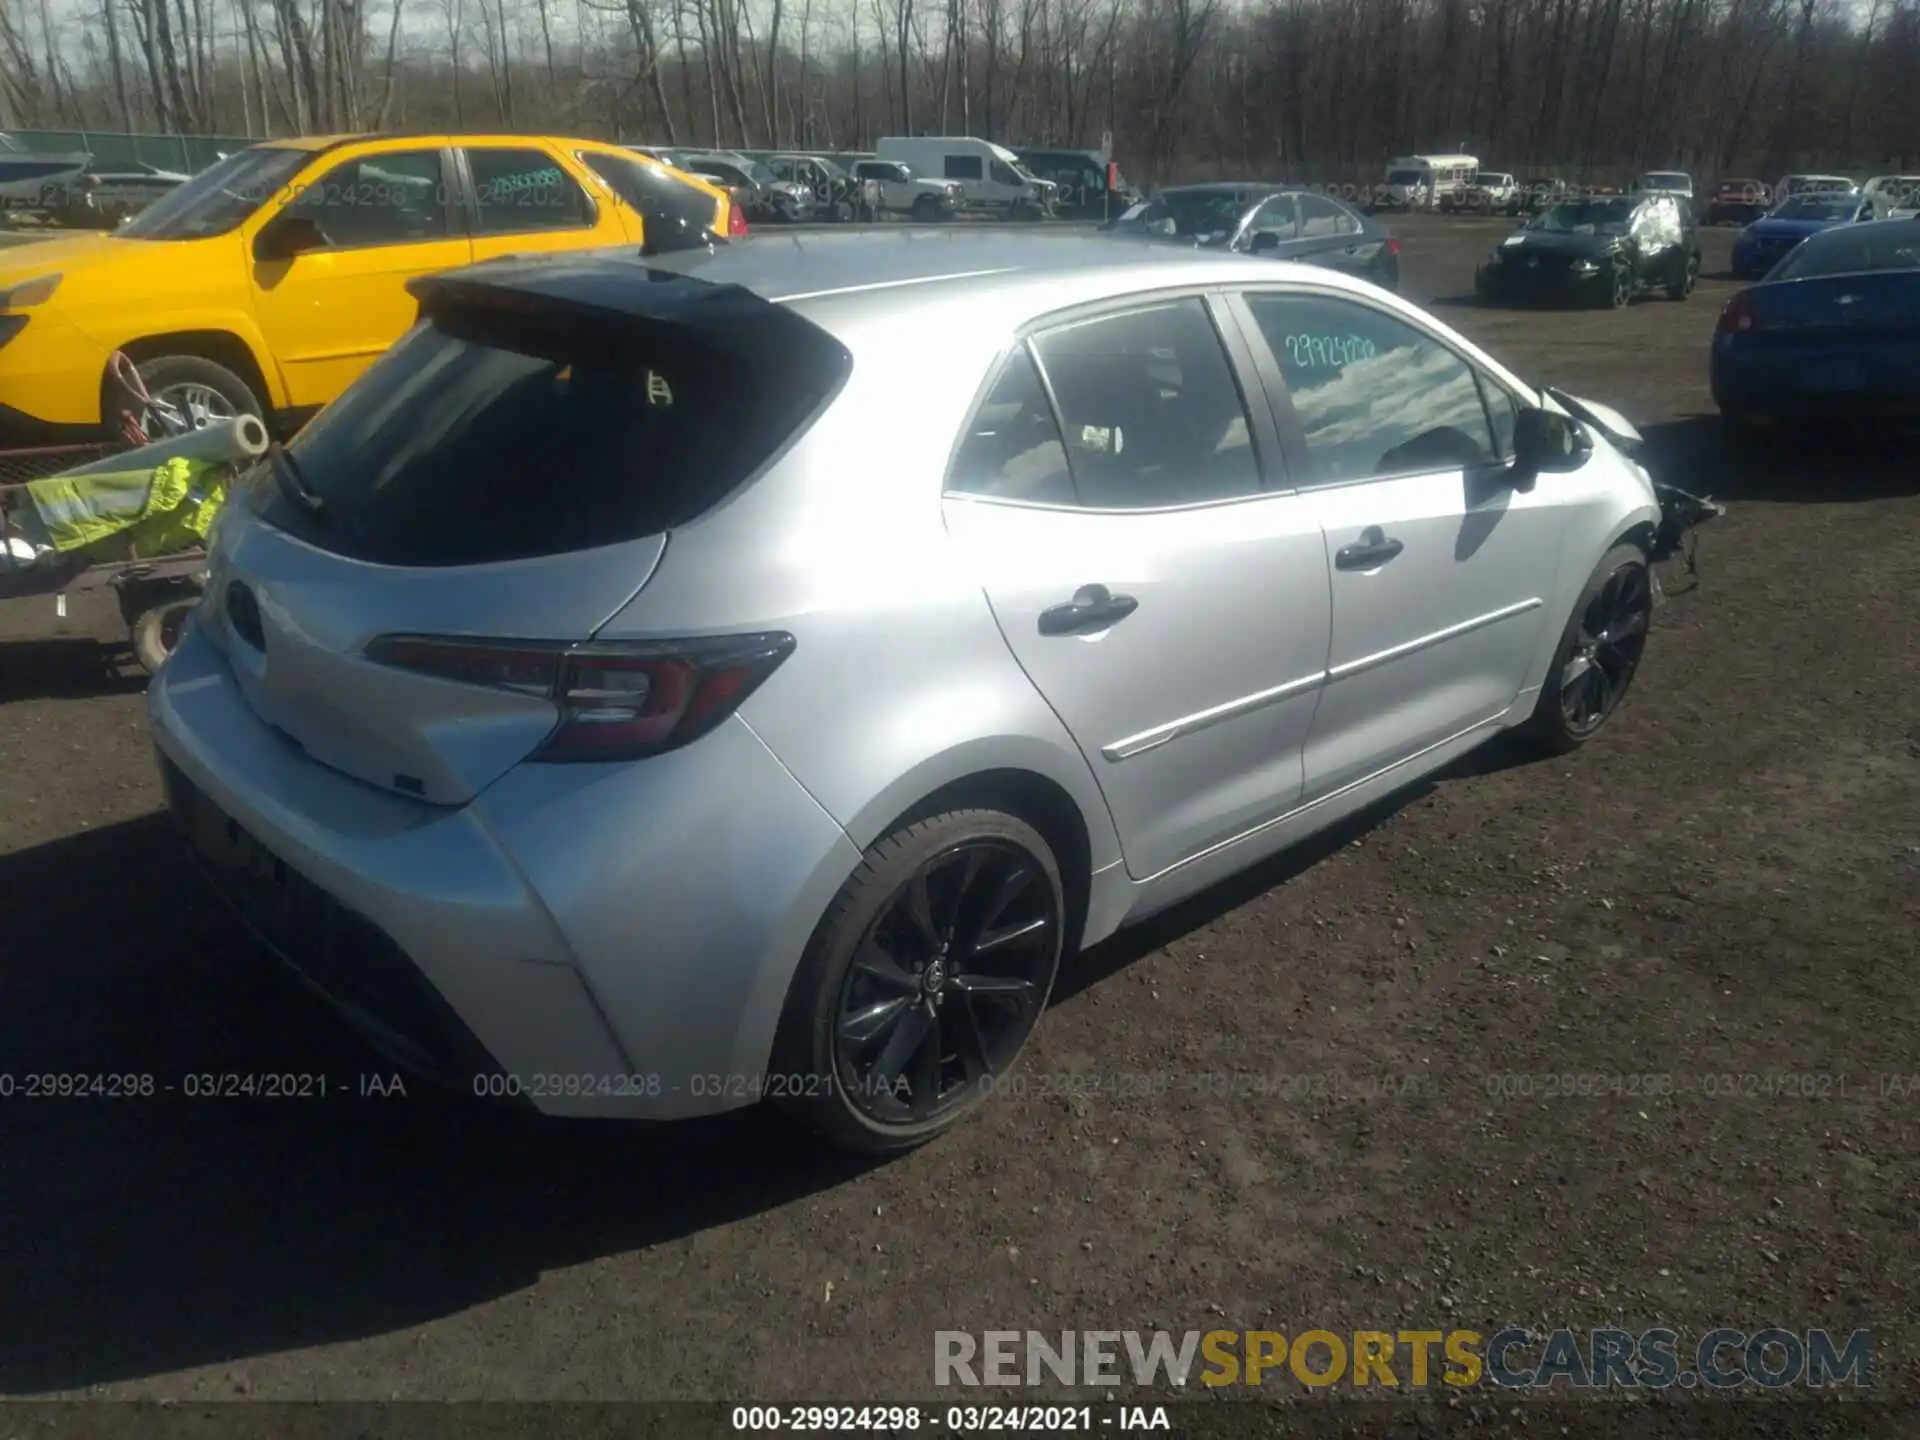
(552, 303)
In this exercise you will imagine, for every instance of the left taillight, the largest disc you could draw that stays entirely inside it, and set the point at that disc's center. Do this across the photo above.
(1393, 246)
(617, 701)
(736, 219)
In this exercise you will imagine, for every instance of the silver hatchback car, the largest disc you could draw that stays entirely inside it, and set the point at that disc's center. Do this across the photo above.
(663, 684)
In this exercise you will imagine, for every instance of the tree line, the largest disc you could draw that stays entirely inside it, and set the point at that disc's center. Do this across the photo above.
(1309, 90)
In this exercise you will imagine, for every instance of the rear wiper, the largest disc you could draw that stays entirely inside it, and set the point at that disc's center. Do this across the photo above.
(292, 484)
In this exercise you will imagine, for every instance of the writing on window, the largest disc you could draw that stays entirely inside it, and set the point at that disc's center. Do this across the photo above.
(1374, 396)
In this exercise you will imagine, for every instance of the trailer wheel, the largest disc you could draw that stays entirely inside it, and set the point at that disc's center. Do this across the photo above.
(156, 630)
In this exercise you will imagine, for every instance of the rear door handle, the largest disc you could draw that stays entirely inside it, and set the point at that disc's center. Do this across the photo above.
(1093, 607)
(1371, 549)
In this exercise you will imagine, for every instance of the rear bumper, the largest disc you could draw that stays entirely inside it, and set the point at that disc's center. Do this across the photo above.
(1775, 385)
(593, 940)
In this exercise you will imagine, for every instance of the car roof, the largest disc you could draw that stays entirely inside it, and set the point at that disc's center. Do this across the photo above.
(985, 282)
(1221, 187)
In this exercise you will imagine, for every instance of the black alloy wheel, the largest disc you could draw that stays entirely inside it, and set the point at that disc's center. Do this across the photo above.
(1620, 285)
(947, 984)
(1609, 639)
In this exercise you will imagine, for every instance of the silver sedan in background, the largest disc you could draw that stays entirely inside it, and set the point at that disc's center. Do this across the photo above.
(662, 684)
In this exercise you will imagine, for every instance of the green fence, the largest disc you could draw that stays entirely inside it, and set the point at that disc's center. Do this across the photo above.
(186, 153)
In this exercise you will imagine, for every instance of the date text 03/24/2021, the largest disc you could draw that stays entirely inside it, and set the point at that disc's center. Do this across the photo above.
(953, 1420)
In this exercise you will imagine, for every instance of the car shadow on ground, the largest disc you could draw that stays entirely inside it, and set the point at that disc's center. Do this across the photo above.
(1138, 941)
(1815, 466)
(143, 1235)
(146, 1233)
(66, 670)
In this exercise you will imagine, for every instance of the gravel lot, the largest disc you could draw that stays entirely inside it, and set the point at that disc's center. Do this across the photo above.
(1725, 885)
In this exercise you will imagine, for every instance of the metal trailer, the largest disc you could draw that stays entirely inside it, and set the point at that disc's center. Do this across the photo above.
(155, 594)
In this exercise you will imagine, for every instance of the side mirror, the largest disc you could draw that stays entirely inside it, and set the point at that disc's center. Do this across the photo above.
(1264, 241)
(1544, 442)
(288, 235)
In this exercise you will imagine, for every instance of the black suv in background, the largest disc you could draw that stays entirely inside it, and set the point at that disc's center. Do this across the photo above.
(1597, 249)
(1082, 177)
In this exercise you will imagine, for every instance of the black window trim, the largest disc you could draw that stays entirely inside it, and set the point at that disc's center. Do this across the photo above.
(452, 197)
(1240, 357)
(1293, 438)
(471, 193)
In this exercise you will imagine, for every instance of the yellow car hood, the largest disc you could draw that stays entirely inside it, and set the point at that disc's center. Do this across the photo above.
(105, 278)
(69, 255)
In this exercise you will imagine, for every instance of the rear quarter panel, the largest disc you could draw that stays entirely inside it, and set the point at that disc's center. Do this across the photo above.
(900, 681)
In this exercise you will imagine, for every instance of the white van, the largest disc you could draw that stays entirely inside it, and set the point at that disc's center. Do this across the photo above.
(1425, 182)
(990, 176)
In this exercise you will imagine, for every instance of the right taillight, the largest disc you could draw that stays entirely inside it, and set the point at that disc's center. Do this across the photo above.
(617, 700)
(736, 219)
(1738, 318)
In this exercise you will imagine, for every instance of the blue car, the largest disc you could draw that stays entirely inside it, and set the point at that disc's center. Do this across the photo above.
(1763, 244)
(1832, 333)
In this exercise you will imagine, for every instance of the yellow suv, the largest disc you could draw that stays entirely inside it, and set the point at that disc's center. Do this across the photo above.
(273, 278)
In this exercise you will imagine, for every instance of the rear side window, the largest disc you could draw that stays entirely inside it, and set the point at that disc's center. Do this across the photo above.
(523, 190)
(1151, 413)
(651, 191)
(1320, 219)
(483, 437)
(963, 167)
(1012, 449)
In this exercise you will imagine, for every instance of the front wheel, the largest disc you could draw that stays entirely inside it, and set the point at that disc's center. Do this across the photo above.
(200, 390)
(1681, 285)
(923, 982)
(1598, 653)
(1620, 287)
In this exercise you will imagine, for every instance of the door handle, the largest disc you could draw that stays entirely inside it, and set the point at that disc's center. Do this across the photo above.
(1093, 607)
(1371, 549)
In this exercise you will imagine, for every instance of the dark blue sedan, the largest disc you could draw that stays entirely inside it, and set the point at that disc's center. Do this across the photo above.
(1281, 222)
(1832, 333)
(1763, 244)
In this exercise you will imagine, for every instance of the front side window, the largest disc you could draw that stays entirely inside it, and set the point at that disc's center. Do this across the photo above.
(397, 198)
(1374, 396)
(1003, 174)
(522, 190)
(1149, 409)
(1503, 411)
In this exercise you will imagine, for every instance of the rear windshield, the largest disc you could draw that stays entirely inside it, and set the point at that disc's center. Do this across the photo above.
(483, 438)
(1853, 250)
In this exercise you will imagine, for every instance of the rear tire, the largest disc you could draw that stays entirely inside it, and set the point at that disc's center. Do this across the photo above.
(1598, 654)
(956, 922)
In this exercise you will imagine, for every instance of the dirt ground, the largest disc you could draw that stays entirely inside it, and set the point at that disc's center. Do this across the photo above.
(1725, 885)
